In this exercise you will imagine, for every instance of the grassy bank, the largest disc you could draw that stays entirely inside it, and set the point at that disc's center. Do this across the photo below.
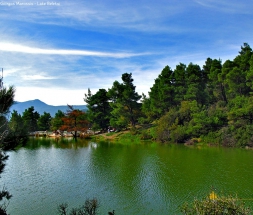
(147, 133)
(134, 135)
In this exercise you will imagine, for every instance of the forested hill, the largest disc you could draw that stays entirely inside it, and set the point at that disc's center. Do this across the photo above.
(212, 104)
(42, 107)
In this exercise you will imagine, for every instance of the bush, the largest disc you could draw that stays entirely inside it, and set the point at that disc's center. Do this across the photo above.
(90, 207)
(134, 131)
(217, 206)
(145, 135)
(179, 134)
(212, 138)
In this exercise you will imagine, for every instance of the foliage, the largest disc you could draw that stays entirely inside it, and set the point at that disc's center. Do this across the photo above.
(148, 115)
(195, 84)
(215, 88)
(145, 135)
(211, 138)
(57, 121)
(44, 122)
(30, 117)
(6, 101)
(98, 109)
(237, 137)
(119, 117)
(180, 84)
(178, 125)
(240, 111)
(18, 134)
(74, 121)
(90, 207)
(124, 102)
(134, 131)
(164, 124)
(3, 129)
(213, 103)
(219, 206)
(162, 92)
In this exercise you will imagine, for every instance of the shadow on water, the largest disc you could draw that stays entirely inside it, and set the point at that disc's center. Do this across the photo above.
(62, 143)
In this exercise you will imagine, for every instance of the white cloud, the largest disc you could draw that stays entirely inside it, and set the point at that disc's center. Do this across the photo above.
(36, 77)
(138, 16)
(56, 53)
(10, 47)
(234, 6)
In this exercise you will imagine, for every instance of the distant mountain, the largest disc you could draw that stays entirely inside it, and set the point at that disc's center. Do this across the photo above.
(42, 107)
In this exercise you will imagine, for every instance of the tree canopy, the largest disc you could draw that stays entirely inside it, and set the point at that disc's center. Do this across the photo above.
(74, 121)
(212, 103)
(6, 101)
(98, 109)
(30, 117)
(124, 102)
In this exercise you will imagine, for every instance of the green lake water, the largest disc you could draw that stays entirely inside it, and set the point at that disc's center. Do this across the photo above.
(145, 178)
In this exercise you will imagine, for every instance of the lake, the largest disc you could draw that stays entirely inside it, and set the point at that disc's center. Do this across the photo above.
(146, 178)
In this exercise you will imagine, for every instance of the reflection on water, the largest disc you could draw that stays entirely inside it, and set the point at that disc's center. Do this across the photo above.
(131, 179)
(63, 143)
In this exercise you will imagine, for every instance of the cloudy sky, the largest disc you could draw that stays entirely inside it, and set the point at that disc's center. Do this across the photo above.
(55, 50)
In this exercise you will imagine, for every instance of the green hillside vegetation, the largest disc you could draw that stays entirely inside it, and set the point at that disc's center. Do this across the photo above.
(190, 104)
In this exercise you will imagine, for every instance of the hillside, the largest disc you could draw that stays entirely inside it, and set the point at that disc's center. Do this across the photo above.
(42, 107)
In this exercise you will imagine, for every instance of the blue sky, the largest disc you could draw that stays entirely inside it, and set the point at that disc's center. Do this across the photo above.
(56, 52)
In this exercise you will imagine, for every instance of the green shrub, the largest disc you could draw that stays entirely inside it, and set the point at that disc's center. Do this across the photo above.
(145, 135)
(134, 131)
(179, 134)
(212, 138)
(217, 206)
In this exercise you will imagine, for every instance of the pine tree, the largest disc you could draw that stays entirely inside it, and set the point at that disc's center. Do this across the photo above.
(98, 109)
(124, 102)
(162, 92)
(6, 101)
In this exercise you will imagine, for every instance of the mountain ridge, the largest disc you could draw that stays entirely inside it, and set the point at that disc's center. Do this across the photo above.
(42, 107)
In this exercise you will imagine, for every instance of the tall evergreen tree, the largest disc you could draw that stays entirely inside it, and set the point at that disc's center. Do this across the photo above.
(249, 76)
(6, 101)
(195, 84)
(30, 117)
(155, 102)
(98, 109)
(44, 121)
(124, 102)
(162, 92)
(18, 133)
(180, 83)
(57, 121)
(238, 78)
(215, 87)
(242, 61)
(146, 110)
(226, 68)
